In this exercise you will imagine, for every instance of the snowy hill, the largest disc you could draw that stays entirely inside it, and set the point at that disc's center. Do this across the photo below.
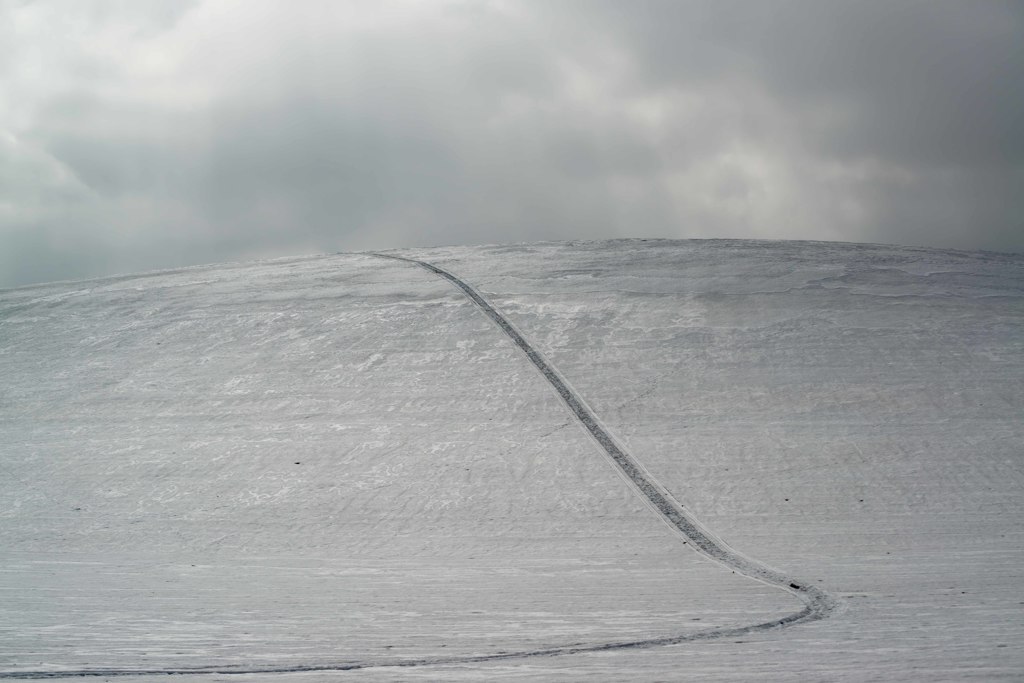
(342, 462)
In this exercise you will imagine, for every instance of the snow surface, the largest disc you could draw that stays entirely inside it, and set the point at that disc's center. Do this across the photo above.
(341, 459)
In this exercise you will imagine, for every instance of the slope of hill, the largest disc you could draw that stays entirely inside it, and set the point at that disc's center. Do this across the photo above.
(340, 461)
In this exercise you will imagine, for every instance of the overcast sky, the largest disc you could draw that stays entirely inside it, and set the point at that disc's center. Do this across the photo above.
(146, 134)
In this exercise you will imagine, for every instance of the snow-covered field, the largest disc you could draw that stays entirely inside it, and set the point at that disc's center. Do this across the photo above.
(341, 460)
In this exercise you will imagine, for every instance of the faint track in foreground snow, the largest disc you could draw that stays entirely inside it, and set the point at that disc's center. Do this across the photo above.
(817, 603)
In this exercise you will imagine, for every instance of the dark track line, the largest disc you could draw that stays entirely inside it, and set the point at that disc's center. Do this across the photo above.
(817, 603)
(711, 634)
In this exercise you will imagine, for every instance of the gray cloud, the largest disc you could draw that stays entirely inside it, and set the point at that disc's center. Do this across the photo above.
(143, 135)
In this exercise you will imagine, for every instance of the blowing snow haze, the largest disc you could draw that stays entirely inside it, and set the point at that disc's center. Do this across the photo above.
(143, 135)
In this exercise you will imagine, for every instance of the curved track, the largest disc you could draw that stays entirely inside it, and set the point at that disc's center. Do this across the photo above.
(817, 603)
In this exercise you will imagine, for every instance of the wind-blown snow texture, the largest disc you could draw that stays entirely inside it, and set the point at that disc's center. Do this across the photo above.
(335, 459)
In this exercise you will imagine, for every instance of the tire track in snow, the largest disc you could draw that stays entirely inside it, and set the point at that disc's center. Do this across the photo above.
(817, 603)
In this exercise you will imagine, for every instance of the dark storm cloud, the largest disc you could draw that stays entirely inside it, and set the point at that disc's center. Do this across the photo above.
(917, 81)
(140, 135)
